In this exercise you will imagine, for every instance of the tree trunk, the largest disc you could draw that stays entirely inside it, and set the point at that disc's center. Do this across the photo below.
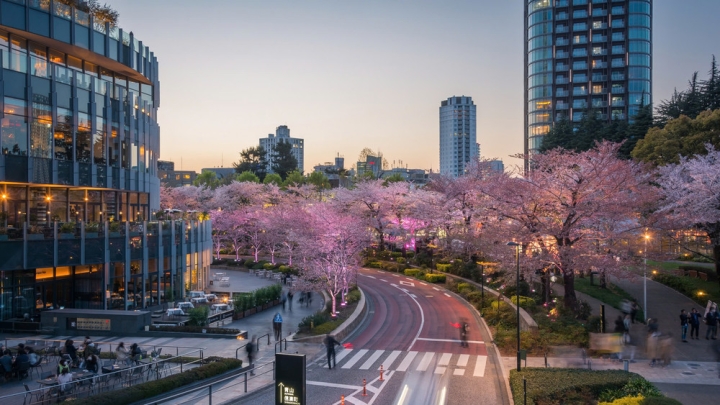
(382, 241)
(570, 299)
(545, 289)
(333, 303)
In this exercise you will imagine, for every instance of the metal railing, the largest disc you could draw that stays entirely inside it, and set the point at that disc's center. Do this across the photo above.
(100, 382)
(110, 346)
(206, 391)
(258, 344)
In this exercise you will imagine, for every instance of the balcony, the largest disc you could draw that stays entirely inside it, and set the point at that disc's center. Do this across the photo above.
(580, 14)
(580, 66)
(580, 79)
(562, 93)
(599, 65)
(562, 106)
(562, 16)
(618, 116)
(561, 3)
(562, 54)
(599, 104)
(599, 91)
(599, 52)
(617, 76)
(618, 50)
(562, 42)
(618, 36)
(562, 68)
(577, 92)
(579, 53)
(617, 24)
(599, 78)
(617, 11)
(562, 80)
(562, 29)
(617, 63)
(598, 12)
(579, 106)
(617, 90)
(599, 38)
(599, 26)
(618, 103)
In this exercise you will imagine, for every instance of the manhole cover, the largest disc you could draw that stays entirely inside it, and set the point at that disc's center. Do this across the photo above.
(693, 365)
(688, 373)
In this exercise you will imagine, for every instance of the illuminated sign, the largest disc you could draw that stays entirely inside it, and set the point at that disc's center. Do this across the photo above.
(93, 324)
(290, 379)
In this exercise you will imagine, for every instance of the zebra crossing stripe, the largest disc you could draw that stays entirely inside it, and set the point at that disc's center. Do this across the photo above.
(372, 359)
(355, 358)
(440, 370)
(480, 366)
(425, 362)
(342, 355)
(390, 360)
(459, 371)
(445, 359)
(463, 360)
(406, 361)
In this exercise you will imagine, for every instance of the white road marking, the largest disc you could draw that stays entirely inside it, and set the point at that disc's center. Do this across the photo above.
(407, 283)
(425, 362)
(445, 359)
(436, 289)
(480, 366)
(354, 400)
(395, 275)
(450, 340)
(333, 385)
(382, 279)
(448, 295)
(423, 283)
(440, 370)
(372, 359)
(459, 371)
(406, 361)
(355, 358)
(390, 360)
(413, 295)
(372, 277)
(342, 355)
(463, 360)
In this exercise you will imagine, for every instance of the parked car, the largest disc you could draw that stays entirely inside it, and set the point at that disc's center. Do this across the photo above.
(175, 312)
(196, 294)
(185, 306)
(199, 300)
(211, 297)
(220, 307)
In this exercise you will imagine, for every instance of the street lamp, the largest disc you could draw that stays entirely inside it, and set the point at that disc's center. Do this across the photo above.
(518, 246)
(646, 237)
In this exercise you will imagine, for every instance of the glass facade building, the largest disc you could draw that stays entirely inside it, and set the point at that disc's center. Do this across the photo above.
(79, 143)
(458, 138)
(583, 55)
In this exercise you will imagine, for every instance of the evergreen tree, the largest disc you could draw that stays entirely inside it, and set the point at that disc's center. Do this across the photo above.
(282, 159)
(711, 87)
(636, 131)
(559, 136)
(252, 160)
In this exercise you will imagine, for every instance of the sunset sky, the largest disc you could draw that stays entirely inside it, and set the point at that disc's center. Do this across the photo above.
(345, 75)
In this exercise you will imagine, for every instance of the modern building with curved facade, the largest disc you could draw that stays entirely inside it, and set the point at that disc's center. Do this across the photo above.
(582, 55)
(78, 169)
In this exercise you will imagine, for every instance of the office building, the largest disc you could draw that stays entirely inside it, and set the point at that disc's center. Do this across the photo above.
(585, 55)
(282, 134)
(169, 177)
(78, 169)
(458, 140)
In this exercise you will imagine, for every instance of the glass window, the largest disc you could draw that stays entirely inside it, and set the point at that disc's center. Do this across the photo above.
(639, 73)
(537, 42)
(640, 46)
(639, 20)
(580, 26)
(545, 15)
(540, 29)
(539, 54)
(541, 79)
(540, 92)
(83, 138)
(57, 57)
(639, 86)
(639, 7)
(639, 60)
(99, 142)
(14, 128)
(62, 10)
(540, 4)
(63, 75)
(63, 134)
(639, 33)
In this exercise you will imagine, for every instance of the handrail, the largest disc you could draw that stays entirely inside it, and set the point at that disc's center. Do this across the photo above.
(61, 342)
(238, 349)
(280, 343)
(131, 369)
(268, 336)
(208, 386)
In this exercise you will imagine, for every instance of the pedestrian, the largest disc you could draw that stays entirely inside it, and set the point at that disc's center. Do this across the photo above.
(619, 333)
(627, 338)
(309, 298)
(626, 307)
(711, 320)
(290, 299)
(694, 323)
(633, 311)
(330, 343)
(684, 318)
(463, 333)
(250, 348)
(277, 326)
(665, 349)
(652, 341)
(283, 298)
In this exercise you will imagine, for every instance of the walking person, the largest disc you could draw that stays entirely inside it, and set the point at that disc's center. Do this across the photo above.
(652, 342)
(684, 321)
(694, 323)
(330, 343)
(463, 333)
(290, 299)
(283, 298)
(633, 311)
(277, 326)
(711, 320)
(627, 339)
(620, 334)
(251, 349)
(309, 299)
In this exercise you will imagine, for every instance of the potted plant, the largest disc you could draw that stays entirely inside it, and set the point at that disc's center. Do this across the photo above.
(3, 233)
(67, 230)
(115, 229)
(92, 229)
(34, 232)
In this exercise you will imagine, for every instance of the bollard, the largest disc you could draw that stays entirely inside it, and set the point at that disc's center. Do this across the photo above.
(626, 365)
(364, 389)
(589, 364)
(546, 360)
(381, 373)
(524, 391)
(342, 399)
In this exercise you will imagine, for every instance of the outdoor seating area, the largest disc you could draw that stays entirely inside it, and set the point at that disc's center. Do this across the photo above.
(58, 377)
(273, 275)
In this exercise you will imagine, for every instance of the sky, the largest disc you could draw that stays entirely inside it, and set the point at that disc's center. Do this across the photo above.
(346, 75)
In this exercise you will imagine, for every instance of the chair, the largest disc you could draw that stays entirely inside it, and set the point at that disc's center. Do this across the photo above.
(37, 367)
(46, 375)
(23, 369)
(29, 394)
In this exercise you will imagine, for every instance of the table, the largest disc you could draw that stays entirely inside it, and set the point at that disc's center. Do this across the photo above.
(113, 368)
(78, 376)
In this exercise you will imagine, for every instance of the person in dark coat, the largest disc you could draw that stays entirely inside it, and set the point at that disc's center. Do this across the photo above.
(330, 343)
(694, 324)
(251, 348)
(277, 326)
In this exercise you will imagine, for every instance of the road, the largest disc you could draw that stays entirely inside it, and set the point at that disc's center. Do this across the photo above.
(410, 330)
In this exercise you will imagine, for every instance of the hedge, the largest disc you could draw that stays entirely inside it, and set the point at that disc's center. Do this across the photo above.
(412, 272)
(435, 278)
(151, 389)
(443, 267)
(570, 386)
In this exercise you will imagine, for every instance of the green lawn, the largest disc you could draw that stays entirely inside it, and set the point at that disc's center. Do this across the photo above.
(612, 295)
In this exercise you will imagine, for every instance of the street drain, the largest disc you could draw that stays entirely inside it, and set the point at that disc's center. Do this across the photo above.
(688, 373)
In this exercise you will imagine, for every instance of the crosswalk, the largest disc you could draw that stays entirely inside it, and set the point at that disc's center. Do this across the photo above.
(408, 361)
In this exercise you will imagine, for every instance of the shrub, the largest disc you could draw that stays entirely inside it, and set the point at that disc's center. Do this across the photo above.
(396, 254)
(434, 278)
(401, 260)
(198, 316)
(374, 264)
(443, 267)
(316, 319)
(410, 254)
(384, 255)
(326, 328)
(525, 302)
(249, 264)
(680, 284)
(353, 296)
(634, 387)
(625, 401)
(547, 385)
(215, 261)
(412, 272)
(269, 266)
(258, 266)
(473, 297)
(140, 392)
(660, 401)
(463, 287)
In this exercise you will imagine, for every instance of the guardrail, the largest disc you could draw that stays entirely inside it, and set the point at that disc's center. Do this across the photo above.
(110, 346)
(197, 392)
(142, 373)
(258, 345)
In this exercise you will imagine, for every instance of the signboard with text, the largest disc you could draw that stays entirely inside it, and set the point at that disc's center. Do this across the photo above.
(290, 379)
(93, 324)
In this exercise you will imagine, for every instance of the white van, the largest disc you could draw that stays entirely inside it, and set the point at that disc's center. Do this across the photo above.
(185, 306)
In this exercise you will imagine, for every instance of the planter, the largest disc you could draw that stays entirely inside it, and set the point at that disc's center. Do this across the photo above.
(115, 235)
(35, 236)
(250, 311)
(91, 235)
(276, 302)
(66, 236)
(3, 237)
(238, 315)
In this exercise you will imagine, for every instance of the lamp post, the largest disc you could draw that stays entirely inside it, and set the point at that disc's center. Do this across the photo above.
(518, 246)
(646, 237)
(482, 290)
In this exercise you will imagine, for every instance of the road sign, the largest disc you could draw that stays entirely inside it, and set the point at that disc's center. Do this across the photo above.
(290, 379)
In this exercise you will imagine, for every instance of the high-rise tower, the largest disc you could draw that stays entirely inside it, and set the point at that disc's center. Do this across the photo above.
(583, 55)
(458, 142)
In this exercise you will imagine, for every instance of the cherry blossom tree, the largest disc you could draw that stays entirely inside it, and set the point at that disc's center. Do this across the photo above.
(691, 197)
(219, 231)
(371, 201)
(238, 194)
(571, 211)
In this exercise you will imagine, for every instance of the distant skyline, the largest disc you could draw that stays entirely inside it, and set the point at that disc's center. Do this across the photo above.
(348, 75)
